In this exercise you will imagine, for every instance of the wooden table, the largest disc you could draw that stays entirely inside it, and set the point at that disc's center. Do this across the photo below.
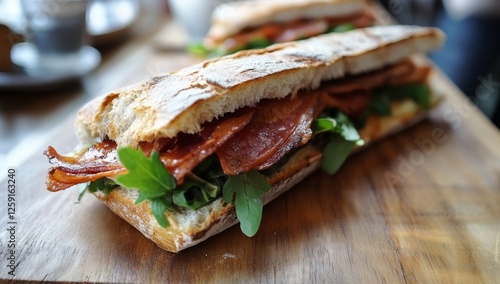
(421, 206)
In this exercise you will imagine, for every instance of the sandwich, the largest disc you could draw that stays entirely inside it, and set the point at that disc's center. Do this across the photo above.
(185, 155)
(242, 25)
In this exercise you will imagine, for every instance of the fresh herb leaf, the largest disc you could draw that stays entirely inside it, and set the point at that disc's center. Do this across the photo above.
(324, 124)
(419, 93)
(103, 184)
(206, 187)
(346, 129)
(381, 105)
(248, 189)
(148, 175)
(421, 96)
(195, 193)
(159, 206)
(335, 123)
(150, 178)
(336, 152)
(343, 28)
(207, 165)
(342, 136)
(189, 199)
(83, 189)
(198, 49)
(140, 198)
(259, 42)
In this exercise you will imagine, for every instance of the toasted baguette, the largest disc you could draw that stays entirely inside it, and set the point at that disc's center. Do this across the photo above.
(230, 18)
(190, 227)
(181, 101)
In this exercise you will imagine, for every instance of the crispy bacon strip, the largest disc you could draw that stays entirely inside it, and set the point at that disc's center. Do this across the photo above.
(100, 160)
(294, 30)
(250, 138)
(277, 127)
(352, 104)
(352, 96)
(193, 149)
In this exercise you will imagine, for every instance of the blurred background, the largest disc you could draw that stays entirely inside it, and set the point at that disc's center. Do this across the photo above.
(471, 55)
(121, 35)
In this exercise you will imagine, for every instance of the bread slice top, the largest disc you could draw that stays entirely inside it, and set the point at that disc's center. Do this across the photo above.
(181, 101)
(230, 18)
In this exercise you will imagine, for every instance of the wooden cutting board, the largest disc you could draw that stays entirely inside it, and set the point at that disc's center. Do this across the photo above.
(420, 206)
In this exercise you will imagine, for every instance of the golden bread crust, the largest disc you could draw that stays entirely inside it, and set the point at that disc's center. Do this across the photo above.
(230, 18)
(181, 101)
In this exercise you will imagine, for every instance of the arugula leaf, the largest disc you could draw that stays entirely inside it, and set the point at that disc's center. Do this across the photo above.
(323, 124)
(248, 188)
(140, 198)
(342, 136)
(82, 193)
(159, 206)
(189, 198)
(195, 193)
(419, 93)
(336, 152)
(148, 175)
(346, 129)
(150, 178)
(340, 124)
(198, 49)
(381, 105)
(383, 96)
(343, 28)
(259, 42)
(102, 184)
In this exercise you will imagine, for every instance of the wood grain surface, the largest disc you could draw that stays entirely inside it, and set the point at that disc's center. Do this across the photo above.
(421, 206)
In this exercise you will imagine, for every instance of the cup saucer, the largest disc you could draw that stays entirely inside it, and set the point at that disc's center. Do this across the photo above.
(26, 56)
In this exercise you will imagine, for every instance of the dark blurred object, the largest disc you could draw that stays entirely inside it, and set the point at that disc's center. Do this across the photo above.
(56, 28)
(54, 54)
(471, 55)
(413, 12)
(6, 44)
(471, 58)
(109, 21)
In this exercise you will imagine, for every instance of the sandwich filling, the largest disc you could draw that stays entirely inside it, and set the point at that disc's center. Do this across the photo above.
(275, 32)
(255, 139)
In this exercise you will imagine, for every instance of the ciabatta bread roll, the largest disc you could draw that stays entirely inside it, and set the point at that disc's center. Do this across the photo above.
(269, 117)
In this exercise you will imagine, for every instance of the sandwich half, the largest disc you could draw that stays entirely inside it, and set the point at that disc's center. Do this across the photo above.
(185, 155)
(259, 23)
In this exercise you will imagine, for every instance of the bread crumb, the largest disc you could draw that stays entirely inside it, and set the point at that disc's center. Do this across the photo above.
(229, 255)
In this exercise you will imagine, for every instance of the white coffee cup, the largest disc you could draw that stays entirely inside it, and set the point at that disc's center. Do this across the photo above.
(194, 16)
(55, 27)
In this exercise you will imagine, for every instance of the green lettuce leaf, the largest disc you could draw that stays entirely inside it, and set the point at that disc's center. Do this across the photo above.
(195, 193)
(158, 207)
(342, 137)
(259, 42)
(198, 49)
(102, 184)
(246, 189)
(147, 175)
(343, 28)
(420, 93)
(336, 152)
(150, 178)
